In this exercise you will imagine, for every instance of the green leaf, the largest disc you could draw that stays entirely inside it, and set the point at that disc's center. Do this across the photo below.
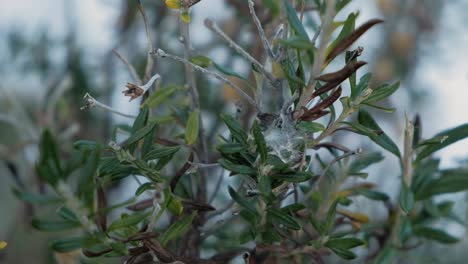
(330, 220)
(386, 256)
(236, 130)
(236, 168)
(160, 96)
(241, 201)
(404, 230)
(344, 253)
(139, 124)
(454, 135)
(148, 141)
(363, 161)
(294, 20)
(310, 127)
(382, 140)
(293, 207)
(85, 145)
(177, 229)
(201, 61)
(299, 176)
(362, 85)
(283, 218)
(434, 234)
(347, 29)
(36, 198)
(231, 148)
(128, 220)
(175, 206)
(432, 141)
(67, 214)
(406, 198)
(260, 141)
(49, 168)
(191, 129)
(381, 92)
(264, 186)
(373, 195)
(389, 110)
(450, 181)
(144, 187)
(344, 243)
(68, 244)
(161, 152)
(318, 226)
(140, 133)
(229, 72)
(53, 226)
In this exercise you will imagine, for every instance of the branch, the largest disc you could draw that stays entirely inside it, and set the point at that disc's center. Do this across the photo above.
(90, 102)
(261, 32)
(132, 71)
(211, 25)
(150, 61)
(161, 53)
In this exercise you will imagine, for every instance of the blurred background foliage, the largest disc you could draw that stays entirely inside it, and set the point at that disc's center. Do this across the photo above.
(44, 77)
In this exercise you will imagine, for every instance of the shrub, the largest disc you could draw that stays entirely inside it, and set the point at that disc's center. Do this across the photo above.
(286, 200)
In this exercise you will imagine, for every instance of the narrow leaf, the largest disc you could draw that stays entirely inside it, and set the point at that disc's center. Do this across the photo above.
(191, 130)
(351, 38)
(382, 140)
(260, 141)
(284, 218)
(454, 135)
(177, 229)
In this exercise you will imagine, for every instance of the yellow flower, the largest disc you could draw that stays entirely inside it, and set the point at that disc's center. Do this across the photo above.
(174, 4)
(3, 244)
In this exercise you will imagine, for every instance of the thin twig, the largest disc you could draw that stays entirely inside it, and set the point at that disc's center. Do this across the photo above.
(218, 76)
(90, 102)
(132, 71)
(150, 60)
(261, 32)
(211, 25)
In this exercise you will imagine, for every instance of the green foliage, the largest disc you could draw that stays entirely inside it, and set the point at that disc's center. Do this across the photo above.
(289, 196)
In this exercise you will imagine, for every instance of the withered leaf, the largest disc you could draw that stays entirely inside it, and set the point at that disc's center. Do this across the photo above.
(327, 87)
(327, 101)
(318, 110)
(101, 204)
(197, 205)
(343, 73)
(349, 40)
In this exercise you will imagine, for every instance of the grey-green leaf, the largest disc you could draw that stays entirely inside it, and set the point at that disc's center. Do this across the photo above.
(406, 198)
(283, 218)
(191, 130)
(453, 135)
(177, 229)
(382, 140)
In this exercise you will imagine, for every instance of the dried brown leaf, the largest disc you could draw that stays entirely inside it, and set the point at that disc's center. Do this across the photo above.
(343, 73)
(349, 40)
